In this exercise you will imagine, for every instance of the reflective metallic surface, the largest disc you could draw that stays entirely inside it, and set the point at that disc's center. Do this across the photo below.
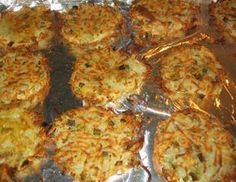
(150, 103)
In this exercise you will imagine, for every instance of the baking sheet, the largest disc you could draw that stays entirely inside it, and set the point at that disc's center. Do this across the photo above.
(150, 102)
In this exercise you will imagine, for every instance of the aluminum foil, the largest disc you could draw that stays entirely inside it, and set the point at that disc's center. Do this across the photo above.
(150, 103)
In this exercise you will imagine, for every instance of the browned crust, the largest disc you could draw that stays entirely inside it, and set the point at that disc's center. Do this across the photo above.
(220, 27)
(166, 175)
(31, 43)
(133, 144)
(92, 99)
(157, 166)
(146, 38)
(31, 102)
(32, 164)
(183, 103)
(120, 31)
(36, 98)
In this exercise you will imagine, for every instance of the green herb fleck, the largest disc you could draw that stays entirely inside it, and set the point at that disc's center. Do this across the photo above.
(118, 163)
(87, 65)
(196, 57)
(10, 43)
(124, 67)
(96, 131)
(186, 178)
(70, 31)
(122, 120)
(71, 122)
(173, 165)
(201, 96)
(81, 84)
(200, 157)
(204, 70)
(81, 127)
(198, 76)
(111, 123)
(225, 19)
(26, 162)
(42, 24)
(193, 176)
(104, 153)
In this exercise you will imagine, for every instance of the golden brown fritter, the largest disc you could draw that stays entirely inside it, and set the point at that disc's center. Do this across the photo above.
(155, 22)
(30, 28)
(92, 26)
(191, 74)
(24, 79)
(22, 144)
(94, 144)
(102, 76)
(193, 146)
(224, 13)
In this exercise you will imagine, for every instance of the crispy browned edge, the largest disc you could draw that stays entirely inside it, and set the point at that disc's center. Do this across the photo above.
(33, 46)
(40, 98)
(137, 142)
(121, 31)
(152, 42)
(213, 21)
(160, 82)
(91, 100)
(36, 99)
(32, 164)
(230, 177)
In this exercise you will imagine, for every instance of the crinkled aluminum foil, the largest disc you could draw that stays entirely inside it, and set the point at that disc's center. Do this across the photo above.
(150, 102)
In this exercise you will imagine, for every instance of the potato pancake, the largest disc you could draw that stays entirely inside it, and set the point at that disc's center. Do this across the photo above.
(28, 27)
(154, 22)
(193, 146)
(102, 76)
(24, 80)
(191, 74)
(92, 26)
(21, 140)
(93, 144)
(224, 13)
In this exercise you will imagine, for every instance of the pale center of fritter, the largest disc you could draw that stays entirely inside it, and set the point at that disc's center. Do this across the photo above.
(94, 144)
(194, 147)
(19, 137)
(191, 74)
(90, 23)
(106, 76)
